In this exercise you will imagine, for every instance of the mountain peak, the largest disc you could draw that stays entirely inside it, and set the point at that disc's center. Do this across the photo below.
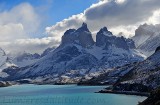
(83, 28)
(104, 29)
(82, 36)
(102, 36)
(69, 31)
(145, 24)
(84, 24)
(105, 32)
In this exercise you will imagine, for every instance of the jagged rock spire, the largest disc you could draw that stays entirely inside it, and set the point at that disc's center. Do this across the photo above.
(84, 27)
(82, 36)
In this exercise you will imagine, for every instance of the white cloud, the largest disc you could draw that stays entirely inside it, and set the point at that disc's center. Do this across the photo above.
(24, 14)
(128, 31)
(17, 22)
(11, 31)
(120, 1)
(155, 19)
(117, 15)
(16, 25)
(57, 30)
(35, 45)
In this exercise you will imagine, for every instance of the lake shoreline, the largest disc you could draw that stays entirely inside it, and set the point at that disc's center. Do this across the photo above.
(125, 93)
(101, 91)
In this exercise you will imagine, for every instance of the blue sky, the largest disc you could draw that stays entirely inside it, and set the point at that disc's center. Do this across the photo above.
(55, 10)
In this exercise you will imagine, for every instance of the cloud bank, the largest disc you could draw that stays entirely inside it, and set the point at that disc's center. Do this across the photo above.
(34, 45)
(18, 21)
(117, 15)
(17, 28)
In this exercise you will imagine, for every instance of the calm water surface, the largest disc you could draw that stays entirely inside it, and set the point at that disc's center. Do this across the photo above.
(62, 95)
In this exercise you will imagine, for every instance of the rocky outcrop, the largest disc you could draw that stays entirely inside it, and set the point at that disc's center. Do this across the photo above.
(157, 49)
(131, 87)
(82, 36)
(153, 99)
(106, 39)
(130, 43)
(102, 37)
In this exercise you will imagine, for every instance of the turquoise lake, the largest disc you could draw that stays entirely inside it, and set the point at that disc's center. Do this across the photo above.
(62, 95)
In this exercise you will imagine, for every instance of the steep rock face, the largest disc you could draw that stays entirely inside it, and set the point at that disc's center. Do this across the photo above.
(147, 38)
(157, 49)
(118, 50)
(81, 36)
(153, 99)
(150, 45)
(106, 39)
(5, 62)
(3, 57)
(68, 37)
(102, 37)
(130, 43)
(142, 33)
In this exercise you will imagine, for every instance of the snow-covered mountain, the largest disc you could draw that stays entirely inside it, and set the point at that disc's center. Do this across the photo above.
(145, 73)
(5, 62)
(117, 50)
(78, 51)
(23, 59)
(147, 38)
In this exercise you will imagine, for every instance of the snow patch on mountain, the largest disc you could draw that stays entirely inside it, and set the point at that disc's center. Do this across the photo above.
(98, 52)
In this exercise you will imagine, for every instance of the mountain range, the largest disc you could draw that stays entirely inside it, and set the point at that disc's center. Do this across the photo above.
(77, 56)
(129, 65)
(127, 77)
(79, 59)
